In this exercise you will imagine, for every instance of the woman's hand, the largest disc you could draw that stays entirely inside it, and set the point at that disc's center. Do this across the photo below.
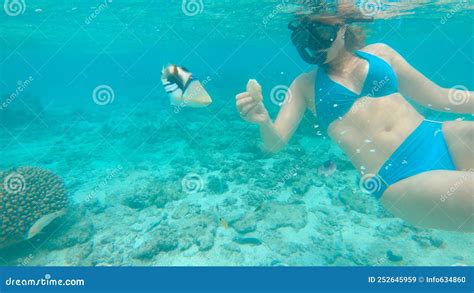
(275, 135)
(251, 108)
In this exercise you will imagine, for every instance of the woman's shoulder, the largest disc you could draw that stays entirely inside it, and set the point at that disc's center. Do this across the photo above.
(303, 84)
(381, 50)
(306, 77)
(377, 48)
(305, 81)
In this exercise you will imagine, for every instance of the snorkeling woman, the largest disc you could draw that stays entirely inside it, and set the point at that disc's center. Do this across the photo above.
(422, 170)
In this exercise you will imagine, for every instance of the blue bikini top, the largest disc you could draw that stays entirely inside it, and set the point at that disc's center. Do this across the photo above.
(334, 100)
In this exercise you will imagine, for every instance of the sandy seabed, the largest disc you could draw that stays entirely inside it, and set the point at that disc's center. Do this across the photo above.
(193, 189)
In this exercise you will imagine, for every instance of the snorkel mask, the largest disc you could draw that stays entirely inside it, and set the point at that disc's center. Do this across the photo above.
(311, 39)
(312, 35)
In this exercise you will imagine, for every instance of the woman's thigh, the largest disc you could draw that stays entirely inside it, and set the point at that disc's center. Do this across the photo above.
(435, 199)
(459, 136)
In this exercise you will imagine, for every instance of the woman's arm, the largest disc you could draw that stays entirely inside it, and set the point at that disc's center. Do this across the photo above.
(275, 135)
(415, 85)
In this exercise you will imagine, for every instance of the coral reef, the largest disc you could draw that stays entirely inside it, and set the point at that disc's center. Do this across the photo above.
(188, 226)
(216, 185)
(78, 229)
(29, 198)
(246, 208)
(157, 192)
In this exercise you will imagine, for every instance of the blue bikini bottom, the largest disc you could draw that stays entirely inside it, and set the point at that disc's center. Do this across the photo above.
(425, 149)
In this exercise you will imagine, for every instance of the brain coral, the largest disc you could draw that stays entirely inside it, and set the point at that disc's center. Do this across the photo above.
(30, 198)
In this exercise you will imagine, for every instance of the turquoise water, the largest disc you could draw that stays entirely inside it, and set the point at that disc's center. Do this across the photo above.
(150, 184)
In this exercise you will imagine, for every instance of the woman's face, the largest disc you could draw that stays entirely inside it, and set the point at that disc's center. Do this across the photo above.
(337, 46)
(317, 43)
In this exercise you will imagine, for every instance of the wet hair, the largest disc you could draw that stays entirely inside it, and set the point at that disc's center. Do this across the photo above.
(354, 36)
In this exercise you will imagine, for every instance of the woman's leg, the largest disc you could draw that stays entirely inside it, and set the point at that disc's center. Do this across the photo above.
(459, 136)
(434, 199)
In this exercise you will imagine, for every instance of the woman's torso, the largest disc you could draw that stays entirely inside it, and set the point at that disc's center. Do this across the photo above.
(373, 127)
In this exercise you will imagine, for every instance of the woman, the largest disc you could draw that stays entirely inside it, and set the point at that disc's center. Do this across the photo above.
(420, 169)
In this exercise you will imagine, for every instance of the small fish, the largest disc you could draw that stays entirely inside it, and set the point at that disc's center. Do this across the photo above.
(224, 223)
(327, 169)
(183, 89)
(42, 222)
